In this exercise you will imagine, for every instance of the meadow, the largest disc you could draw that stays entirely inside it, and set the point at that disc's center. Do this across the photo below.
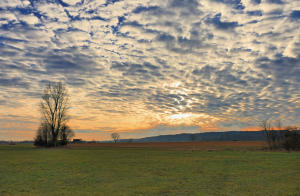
(149, 169)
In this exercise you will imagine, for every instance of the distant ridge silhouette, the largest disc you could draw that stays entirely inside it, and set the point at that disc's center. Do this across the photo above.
(206, 136)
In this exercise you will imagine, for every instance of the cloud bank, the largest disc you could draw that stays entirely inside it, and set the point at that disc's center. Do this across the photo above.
(136, 66)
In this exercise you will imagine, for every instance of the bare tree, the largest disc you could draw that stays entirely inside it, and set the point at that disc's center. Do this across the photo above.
(279, 124)
(275, 136)
(115, 137)
(54, 106)
(281, 136)
(288, 137)
(266, 126)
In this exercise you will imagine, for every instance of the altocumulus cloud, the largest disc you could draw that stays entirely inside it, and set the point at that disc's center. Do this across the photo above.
(138, 65)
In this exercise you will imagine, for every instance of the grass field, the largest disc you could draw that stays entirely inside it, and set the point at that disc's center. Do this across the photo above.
(211, 169)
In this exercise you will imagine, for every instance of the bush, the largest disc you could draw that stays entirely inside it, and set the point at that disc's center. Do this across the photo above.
(45, 138)
(291, 140)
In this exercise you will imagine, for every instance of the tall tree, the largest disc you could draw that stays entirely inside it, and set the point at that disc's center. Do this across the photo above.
(54, 107)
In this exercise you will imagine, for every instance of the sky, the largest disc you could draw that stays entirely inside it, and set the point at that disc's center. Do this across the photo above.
(150, 67)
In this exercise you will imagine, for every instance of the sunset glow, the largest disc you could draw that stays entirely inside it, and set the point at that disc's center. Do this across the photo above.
(180, 116)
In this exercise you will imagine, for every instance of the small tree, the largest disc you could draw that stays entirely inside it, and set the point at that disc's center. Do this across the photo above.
(43, 135)
(65, 135)
(54, 106)
(115, 137)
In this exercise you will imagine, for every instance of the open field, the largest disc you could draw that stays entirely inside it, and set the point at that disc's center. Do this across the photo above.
(134, 169)
(216, 145)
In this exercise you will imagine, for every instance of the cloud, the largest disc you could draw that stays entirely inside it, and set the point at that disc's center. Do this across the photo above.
(275, 1)
(284, 70)
(133, 65)
(236, 4)
(255, 13)
(13, 82)
(295, 15)
(222, 25)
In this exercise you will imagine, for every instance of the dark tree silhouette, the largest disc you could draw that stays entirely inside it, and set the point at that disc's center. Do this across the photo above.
(115, 137)
(42, 135)
(287, 138)
(54, 105)
(65, 135)
(267, 128)
(292, 138)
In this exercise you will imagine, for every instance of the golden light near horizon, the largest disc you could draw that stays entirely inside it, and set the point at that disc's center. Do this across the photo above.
(180, 116)
(136, 66)
(190, 119)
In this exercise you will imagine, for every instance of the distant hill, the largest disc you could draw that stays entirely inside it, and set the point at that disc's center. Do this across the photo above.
(184, 137)
(207, 136)
(15, 142)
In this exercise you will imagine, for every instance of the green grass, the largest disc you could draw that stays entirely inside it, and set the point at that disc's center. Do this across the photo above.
(25, 170)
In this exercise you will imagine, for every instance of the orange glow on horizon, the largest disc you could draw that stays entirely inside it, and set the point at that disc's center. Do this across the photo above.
(251, 129)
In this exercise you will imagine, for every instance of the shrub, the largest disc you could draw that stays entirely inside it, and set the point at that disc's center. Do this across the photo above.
(291, 140)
